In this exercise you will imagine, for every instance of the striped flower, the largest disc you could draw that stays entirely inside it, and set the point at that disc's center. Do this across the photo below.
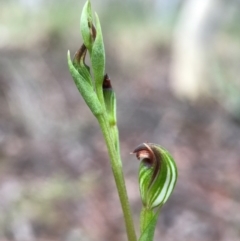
(157, 174)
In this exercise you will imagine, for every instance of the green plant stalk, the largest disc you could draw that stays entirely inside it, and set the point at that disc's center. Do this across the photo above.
(145, 218)
(114, 130)
(148, 222)
(118, 175)
(100, 95)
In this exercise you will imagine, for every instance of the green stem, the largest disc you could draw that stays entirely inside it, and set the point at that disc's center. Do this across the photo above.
(148, 222)
(145, 218)
(99, 93)
(118, 175)
(114, 130)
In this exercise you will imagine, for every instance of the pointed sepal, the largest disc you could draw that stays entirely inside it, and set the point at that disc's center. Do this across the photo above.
(87, 27)
(109, 100)
(98, 60)
(85, 87)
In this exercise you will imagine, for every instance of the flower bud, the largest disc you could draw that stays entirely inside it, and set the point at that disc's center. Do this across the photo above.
(157, 174)
(110, 105)
(98, 60)
(87, 27)
(109, 100)
(93, 40)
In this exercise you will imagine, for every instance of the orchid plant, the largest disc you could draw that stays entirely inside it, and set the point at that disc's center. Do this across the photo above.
(157, 171)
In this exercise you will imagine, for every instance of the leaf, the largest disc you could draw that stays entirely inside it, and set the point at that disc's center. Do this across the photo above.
(98, 60)
(85, 89)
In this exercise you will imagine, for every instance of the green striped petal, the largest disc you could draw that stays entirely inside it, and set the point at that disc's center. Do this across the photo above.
(157, 174)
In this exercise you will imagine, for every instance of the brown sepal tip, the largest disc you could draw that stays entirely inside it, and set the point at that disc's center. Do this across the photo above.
(107, 82)
(81, 53)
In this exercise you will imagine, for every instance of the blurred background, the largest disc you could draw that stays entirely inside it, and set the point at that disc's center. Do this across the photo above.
(175, 67)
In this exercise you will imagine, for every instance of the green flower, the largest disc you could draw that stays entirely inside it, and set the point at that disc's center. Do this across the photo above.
(157, 174)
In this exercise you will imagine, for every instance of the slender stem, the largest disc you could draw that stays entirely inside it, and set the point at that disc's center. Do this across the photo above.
(145, 218)
(148, 222)
(114, 130)
(118, 176)
(99, 93)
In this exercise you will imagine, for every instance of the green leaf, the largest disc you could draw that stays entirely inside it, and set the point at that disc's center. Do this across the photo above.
(85, 88)
(98, 60)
